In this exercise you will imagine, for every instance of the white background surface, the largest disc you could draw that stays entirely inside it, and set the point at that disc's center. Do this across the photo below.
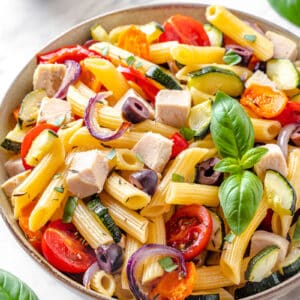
(27, 25)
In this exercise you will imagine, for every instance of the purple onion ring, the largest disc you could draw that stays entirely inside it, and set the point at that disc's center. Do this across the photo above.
(88, 274)
(284, 137)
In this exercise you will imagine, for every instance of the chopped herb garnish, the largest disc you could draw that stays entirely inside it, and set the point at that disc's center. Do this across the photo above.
(139, 64)
(111, 154)
(229, 237)
(140, 158)
(250, 37)
(231, 58)
(73, 171)
(104, 51)
(177, 177)
(167, 264)
(59, 189)
(130, 60)
(69, 209)
(187, 133)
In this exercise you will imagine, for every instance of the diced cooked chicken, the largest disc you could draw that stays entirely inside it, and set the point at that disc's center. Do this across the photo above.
(54, 111)
(10, 184)
(87, 173)
(283, 46)
(14, 166)
(48, 77)
(262, 239)
(260, 78)
(134, 94)
(155, 150)
(273, 159)
(172, 107)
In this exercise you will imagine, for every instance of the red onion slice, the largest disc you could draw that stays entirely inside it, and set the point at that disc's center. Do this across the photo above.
(88, 274)
(72, 74)
(284, 137)
(93, 127)
(138, 258)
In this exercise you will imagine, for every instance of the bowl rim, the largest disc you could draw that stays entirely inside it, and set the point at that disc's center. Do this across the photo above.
(67, 281)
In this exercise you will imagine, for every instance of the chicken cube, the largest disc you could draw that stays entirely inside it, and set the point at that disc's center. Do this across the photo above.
(155, 150)
(14, 166)
(260, 78)
(48, 77)
(87, 173)
(172, 107)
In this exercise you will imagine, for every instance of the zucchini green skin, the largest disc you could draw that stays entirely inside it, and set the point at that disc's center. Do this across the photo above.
(291, 265)
(102, 212)
(11, 145)
(216, 243)
(203, 297)
(157, 74)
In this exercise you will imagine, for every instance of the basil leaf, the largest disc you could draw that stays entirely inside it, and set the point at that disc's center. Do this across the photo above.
(240, 195)
(252, 156)
(12, 288)
(289, 9)
(231, 58)
(296, 236)
(230, 127)
(229, 165)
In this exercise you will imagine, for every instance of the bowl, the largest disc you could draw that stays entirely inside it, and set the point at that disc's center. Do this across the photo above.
(289, 289)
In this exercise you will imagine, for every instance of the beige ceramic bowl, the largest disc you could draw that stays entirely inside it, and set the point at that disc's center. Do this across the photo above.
(289, 289)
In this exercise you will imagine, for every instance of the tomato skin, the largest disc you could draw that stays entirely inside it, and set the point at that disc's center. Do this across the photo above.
(179, 144)
(63, 250)
(290, 114)
(185, 30)
(189, 230)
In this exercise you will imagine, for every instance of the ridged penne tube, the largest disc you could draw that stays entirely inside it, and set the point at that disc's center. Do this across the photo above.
(127, 160)
(39, 178)
(160, 53)
(131, 246)
(184, 164)
(236, 29)
(233, 252)
(92, 230)
(84, 89)
(156, 127)
(190, 55)
(109, 76)
(293, 175)
(157, 235)
(183, 193)
(125, 192)
(213, 277)
(276, 223)
(103, 283)
(265, 130)
(66, 131)
(128, 220)
(209, 144)
(223, 293)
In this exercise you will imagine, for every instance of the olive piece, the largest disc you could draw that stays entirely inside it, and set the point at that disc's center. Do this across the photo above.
(110, 258)
(205, 173)
(134, 110)
(145, 180)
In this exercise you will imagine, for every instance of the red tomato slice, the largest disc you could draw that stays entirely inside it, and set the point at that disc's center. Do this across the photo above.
(290, 114)
(29, 137)
(179, 144)
(62, 248)
(189, 230)
(185, 30)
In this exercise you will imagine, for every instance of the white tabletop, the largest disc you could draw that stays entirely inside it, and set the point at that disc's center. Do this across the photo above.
(27, 25)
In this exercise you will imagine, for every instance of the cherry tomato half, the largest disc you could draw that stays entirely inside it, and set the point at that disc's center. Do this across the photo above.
(62, 248)
(189, 230)
(179, 144)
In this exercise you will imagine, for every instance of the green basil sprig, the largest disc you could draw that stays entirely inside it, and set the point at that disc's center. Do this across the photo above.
(12, 288)
(233, 135)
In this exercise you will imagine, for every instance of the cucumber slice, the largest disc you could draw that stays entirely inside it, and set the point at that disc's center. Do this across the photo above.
(291, 264)
(29, 108)
(212, 79)
(218, 233)
(280, 193)
(199, 118)
(261, 265)
(214, 34)
(296, 98)
(157, 74)
(194, 296)
(284, 73)
(153, 30)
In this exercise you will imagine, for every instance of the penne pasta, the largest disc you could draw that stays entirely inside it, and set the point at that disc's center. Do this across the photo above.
(265, 130)
(127, 160)
(160, 53)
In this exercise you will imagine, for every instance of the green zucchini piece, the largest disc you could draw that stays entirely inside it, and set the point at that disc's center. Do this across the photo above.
(296, 98)
(156, 73)
(152, 30)
(30, 107)
(102, 212)
(280, 193)
(194, 296)
(14, 138)
(291, 264)
(69, 209)
(99, 34)
(284, 73)
(214, 34)
(212, 79)
(261, 265)
(218, 233)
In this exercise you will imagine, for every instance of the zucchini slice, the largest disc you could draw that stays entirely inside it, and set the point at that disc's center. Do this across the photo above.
(214, 34)
(211, 79)
(261, 265)
(152, 30)
(291, 264)
(280, 193)
(14, 138)
(284, 73)
(218, 233)
(199, 118)
(195, 296)
(30, 107)
(156, 73)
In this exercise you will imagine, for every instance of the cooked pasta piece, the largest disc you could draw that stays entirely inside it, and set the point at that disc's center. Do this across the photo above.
(91, 228)
(127, 160)
(156, 127)
(160, 53)
(128, 220)
(293, 172)
(84, 89)
(184, 193)
(125, 192)
(103, 283)
(66, 132)
(265, 130)
(238, 30)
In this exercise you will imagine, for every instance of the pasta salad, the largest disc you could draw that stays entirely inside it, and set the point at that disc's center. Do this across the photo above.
(160, 161)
